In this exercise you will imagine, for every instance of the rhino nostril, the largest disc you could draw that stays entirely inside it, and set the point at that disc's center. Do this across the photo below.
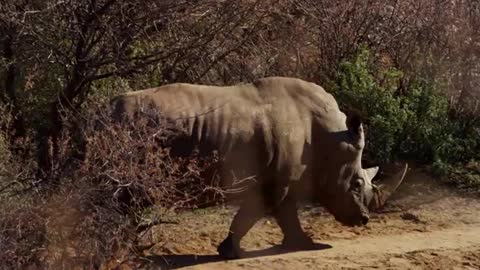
(365, 219)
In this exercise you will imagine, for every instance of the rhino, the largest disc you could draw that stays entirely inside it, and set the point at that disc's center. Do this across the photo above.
(286, 134)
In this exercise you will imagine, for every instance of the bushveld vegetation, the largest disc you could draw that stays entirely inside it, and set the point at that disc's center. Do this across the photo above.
(411, 68)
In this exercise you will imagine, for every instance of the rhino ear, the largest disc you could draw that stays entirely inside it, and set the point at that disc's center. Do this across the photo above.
(354, 122)
(370, 173)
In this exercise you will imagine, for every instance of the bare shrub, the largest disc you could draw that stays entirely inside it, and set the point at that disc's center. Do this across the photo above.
(103, 203)
(135, 155)
(22, 234)
(66, 229)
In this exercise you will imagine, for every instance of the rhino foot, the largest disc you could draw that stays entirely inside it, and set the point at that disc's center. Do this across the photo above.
(227, 250)
(298, 243)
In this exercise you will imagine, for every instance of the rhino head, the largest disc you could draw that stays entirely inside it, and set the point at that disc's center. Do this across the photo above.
(351, 193)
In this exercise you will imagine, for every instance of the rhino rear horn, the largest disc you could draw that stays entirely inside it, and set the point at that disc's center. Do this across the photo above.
(383, 192)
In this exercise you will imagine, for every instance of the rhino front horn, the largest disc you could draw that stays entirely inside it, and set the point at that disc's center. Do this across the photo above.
(388, 186)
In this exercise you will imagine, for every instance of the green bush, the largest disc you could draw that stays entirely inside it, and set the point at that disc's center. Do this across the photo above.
(417, 124)
(358, 88)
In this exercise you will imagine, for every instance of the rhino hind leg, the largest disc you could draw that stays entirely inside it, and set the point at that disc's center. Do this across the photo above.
(287, 218)
(251, 210)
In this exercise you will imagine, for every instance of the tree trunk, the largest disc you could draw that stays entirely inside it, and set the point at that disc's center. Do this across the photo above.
(48, 149)
(17, 127)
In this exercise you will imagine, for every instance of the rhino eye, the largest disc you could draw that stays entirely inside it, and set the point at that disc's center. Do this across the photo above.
(356, 184)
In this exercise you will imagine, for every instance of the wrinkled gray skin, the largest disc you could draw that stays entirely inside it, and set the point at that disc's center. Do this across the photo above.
(289, 135)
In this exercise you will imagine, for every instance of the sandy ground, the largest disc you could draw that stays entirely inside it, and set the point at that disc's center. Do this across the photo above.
(422, 227)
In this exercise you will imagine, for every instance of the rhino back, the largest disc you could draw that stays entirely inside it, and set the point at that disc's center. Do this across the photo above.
(268, 122)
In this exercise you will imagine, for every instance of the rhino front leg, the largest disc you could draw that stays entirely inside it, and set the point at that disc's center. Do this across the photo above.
(251, 210)
(287, 218)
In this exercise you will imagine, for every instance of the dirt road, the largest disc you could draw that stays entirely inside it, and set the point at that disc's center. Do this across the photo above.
(423, 227)
(457, 248)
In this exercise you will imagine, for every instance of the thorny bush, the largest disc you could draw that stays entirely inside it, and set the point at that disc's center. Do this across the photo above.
(134, 156)
(106, 199)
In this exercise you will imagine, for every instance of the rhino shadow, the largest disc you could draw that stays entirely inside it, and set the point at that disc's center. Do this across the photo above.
(179, 261)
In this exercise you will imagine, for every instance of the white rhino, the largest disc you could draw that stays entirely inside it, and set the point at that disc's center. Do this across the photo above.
(289, 134)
